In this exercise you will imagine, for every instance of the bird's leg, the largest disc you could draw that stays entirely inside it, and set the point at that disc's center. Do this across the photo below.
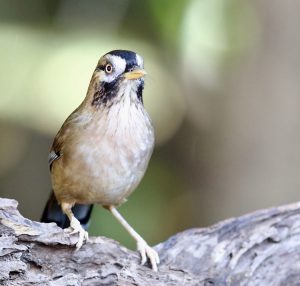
(75, 224)
(142, 246)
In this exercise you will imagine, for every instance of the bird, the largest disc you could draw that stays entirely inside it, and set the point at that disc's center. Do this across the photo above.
(102, 150)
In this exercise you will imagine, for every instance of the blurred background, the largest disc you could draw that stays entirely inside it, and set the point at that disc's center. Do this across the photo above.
(223, 90)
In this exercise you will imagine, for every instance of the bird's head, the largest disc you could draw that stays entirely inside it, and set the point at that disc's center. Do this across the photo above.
(118, 73)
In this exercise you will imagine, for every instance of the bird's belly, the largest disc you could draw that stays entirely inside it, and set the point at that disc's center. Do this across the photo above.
(112, 179)
(105, 173)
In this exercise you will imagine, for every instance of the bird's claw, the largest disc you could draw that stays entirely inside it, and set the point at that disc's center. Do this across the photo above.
(82, 234)
(148, 252)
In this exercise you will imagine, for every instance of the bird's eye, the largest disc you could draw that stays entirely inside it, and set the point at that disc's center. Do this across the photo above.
(108, 68)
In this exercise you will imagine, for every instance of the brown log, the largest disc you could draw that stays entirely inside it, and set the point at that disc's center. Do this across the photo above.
(262, 248)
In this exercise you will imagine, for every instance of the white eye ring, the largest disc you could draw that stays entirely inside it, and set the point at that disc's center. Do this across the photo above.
(108, 68)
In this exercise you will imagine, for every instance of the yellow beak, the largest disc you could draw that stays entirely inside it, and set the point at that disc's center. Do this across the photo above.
(135, 74)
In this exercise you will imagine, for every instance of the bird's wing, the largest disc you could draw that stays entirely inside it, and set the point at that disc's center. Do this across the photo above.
(71, 122)
(52, 157)
(56, 149)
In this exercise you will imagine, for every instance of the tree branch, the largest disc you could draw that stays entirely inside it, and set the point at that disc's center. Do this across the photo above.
(262, 248)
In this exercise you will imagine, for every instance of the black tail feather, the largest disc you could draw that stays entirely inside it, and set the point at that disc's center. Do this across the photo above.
(53, 213)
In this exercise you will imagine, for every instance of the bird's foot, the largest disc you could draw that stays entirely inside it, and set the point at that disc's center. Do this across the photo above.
(148, 252)
(77, 228)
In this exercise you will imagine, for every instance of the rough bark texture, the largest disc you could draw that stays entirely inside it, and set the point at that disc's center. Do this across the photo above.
(262, 248)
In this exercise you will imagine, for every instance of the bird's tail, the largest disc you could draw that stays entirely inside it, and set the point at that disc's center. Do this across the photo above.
(53, 213)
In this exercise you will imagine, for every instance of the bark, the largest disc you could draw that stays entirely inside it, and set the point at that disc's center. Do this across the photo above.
(262, 248)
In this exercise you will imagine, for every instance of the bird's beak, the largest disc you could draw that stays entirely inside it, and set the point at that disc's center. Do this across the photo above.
(135, 74)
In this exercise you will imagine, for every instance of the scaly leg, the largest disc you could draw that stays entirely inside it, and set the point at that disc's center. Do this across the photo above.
(142, 246)
(75, 225)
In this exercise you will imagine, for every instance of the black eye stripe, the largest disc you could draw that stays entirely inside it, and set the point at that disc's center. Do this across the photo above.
(101, 67)
(104, 66)
(129, 57)
(129, 66)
